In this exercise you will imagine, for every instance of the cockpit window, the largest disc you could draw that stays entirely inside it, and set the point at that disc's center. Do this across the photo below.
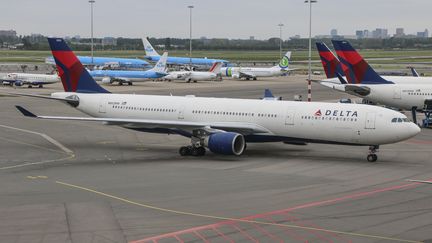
(399, 120)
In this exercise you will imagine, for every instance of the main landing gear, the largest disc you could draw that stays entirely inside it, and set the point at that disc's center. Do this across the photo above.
(372, 157)
(191, 150)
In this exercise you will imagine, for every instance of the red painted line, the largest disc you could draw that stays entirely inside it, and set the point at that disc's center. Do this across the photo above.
(418, 141)
(244, 233)
(290, 232)
(294, 220)
(265, 232)
(223, 235)
(202, 237)
(309, 224)
(302, 206)
(178, 239)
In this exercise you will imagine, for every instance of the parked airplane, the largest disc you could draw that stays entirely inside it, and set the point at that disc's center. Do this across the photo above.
(153, 55)
(212, 75)
(126, 76)
(108, 62)
(364, 82)
(29, 79)
(253, 72)
(224, 125)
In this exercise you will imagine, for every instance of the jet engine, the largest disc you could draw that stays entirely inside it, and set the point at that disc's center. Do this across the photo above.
(18, 83)
(236, 76)
(228, 143)
(107, 80)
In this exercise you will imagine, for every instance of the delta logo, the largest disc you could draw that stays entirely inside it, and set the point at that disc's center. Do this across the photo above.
(339, 113)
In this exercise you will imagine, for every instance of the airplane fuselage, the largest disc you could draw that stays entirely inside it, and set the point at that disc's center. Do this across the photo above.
(256, 72)
(354, 124)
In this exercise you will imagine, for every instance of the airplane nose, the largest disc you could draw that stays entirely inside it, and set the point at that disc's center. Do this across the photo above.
(413, 129)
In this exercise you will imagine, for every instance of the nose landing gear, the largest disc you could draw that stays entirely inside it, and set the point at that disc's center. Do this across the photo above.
(372, 157)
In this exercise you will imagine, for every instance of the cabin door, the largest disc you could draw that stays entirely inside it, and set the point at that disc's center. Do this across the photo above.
(181, 113)
(396, 93)
(370, 120)
(289, 117)
(102, 106)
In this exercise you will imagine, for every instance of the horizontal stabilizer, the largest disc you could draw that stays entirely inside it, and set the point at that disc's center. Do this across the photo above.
(25, 112)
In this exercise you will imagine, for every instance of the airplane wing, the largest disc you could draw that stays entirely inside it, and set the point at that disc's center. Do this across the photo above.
(242, 128)
(72, 100)
(246, 74)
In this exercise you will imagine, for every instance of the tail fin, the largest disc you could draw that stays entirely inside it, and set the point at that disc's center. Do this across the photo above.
(160, 66)
(329, 61)
(74, 76)
(356, 69)
(149, 50)
(284, 62)
(216, 67)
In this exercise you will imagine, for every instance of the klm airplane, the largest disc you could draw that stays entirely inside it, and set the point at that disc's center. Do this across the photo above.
(128, 76)
(109, 62)
(152, 55)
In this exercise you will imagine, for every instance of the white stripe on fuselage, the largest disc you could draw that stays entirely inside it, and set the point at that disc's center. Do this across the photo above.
(345, 123)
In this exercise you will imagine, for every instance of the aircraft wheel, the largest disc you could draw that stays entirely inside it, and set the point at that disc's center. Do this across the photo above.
(194, 81)
(254, 78)
(372, 157)
(247, 78)
(40, 86)
(120, 83)
(129, 83)
(201, 151)
(184, 151)
(30, 86)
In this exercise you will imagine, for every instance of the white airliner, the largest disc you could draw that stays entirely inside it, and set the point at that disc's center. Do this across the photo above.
(29, 79)
(254, 72)
(223, 125)
(407, 93)
(212, 75)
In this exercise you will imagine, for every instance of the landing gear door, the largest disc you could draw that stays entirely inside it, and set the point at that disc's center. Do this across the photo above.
(181, 113)
(289, 117)
(102, 106)
(396, 93)
(370, 120)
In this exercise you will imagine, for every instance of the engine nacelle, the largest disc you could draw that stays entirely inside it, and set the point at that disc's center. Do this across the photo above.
(107, 80)
(228, 143)
(18, 83)
(236, 76)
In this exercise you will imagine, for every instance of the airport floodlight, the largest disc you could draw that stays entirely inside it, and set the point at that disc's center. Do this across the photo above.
(190, 35)
(280, 40)
(91, 27)
(310, 49)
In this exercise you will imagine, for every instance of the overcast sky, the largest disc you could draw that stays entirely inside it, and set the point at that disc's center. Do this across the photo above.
(223, 18)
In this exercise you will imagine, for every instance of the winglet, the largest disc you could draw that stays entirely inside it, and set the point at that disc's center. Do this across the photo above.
(25, 112)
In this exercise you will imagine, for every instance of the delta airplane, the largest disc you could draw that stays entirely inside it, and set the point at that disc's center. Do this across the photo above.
(364, 82)
(129, 76)
(153, 55)
(223, 125)
(29, 79)
(212, 75)
(108, 62)
(253, 72)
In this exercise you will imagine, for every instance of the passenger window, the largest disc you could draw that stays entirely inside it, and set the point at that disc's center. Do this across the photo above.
(399, 120)
(394, 120)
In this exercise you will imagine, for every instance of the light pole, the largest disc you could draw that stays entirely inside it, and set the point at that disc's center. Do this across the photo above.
(91, 6)
(280, 40)
(190, 36)
(310, 49)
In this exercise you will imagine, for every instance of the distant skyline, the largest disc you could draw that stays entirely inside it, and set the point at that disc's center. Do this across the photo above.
(222, 19)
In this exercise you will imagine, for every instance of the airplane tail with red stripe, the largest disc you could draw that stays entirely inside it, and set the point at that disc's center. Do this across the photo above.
(216, 67)
(356, 69)
(329, 61)
(73, 75)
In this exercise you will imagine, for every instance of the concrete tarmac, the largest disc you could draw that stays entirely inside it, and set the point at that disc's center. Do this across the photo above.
(109, 184)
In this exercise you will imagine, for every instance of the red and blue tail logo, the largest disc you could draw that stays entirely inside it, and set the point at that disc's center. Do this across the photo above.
(356, 69)
(329, 61)
(73, 75)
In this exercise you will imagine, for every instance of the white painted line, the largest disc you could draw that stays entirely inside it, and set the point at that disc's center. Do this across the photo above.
(48, 138)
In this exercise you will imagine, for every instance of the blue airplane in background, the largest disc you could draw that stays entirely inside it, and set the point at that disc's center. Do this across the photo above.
(152, 55)
(128, 76)
(109, 62)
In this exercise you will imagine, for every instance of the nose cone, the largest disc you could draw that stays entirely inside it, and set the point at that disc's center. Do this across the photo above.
(412, 130)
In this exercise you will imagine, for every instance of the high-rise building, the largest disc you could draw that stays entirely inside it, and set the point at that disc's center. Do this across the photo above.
(360, 34)
(423, 34)
(399, 32)
(334, 32)
(8, 33)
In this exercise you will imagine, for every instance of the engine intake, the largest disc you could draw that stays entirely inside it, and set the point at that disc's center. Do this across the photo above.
(107, 80)
(228, 143)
